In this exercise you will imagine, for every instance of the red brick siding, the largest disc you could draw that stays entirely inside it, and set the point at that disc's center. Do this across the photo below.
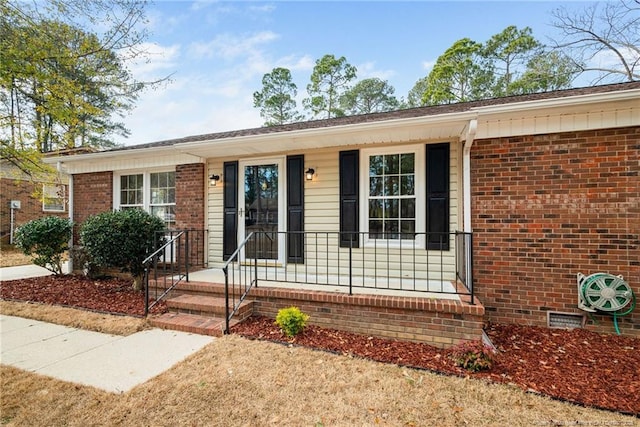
(190, 196)
(30, 205)
(442, 323)
(92, 194)
(546, 207)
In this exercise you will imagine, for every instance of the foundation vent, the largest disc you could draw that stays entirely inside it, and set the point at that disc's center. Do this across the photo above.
(565, 320)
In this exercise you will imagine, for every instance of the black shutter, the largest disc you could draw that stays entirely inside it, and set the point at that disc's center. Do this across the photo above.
(438, 196)
(230, 210)
(295, 209)
(349, 203)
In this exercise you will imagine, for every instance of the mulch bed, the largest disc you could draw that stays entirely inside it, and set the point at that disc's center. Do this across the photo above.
(108, 295)
(578, 366)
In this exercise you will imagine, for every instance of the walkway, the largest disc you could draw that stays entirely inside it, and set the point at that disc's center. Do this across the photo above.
(109, 362)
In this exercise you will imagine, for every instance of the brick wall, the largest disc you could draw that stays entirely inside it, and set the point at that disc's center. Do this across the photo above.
(442, 323)
(190, 196)
(546, 207)
(92, 194)
(30, 205)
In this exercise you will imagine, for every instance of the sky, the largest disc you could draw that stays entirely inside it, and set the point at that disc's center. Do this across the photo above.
(217, 52)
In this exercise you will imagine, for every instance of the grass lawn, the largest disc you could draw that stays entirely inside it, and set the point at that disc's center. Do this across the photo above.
(238, 382)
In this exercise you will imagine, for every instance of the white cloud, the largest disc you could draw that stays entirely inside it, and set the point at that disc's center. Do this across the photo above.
(228, 46)
(156, 62)
(428, 65)
(368, 70)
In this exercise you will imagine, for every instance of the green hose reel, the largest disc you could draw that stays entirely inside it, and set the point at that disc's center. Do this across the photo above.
(605, 293)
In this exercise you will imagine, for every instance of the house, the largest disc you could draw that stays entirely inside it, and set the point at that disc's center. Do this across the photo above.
(442, 217)
(26, 197)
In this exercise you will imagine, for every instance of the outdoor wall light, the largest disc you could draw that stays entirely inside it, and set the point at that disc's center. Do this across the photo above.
(213, 180)
(309, 173)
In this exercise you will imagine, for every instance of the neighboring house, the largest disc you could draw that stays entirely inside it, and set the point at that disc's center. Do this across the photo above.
(27, 197)
(546, 184)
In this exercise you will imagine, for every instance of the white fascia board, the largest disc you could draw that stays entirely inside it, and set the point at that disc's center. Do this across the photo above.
(123, 159)
(575, 101)
(395, 130)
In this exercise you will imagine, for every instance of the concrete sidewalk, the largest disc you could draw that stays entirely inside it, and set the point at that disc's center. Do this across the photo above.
(25, 271)
(109, 362)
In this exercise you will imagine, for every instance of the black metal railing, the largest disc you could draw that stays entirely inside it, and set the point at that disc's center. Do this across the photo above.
(193, 244)
(179, 251)
(240, 275)
(394, 262)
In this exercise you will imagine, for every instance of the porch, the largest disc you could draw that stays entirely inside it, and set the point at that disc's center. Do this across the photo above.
(405, 293)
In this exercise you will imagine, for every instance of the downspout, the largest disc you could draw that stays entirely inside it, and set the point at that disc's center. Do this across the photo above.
(70, 207)
(466, 200)
(466, 174)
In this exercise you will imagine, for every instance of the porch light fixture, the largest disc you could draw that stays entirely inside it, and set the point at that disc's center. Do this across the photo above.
(309, 173)
(213, 180)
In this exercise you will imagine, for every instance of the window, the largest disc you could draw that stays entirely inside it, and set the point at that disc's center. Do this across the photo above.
(131, 191)
(393, 193)
(163, 197)
(53, 198)
(392, 196)
(400, 195)
(155, 192)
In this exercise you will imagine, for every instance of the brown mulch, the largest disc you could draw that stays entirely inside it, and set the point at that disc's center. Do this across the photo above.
(109, 295)
(578, 366)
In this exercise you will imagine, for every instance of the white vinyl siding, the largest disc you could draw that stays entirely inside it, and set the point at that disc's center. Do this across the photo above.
(322, 215)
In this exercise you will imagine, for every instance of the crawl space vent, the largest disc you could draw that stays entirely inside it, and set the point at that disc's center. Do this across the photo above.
(565, 320)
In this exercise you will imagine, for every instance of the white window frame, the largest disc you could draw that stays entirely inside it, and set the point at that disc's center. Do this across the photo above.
(420, 194)
(46, 190)
(146, 189)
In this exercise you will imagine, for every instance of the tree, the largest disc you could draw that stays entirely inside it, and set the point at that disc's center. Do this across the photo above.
(460, 74)
(509, 51)
(545, 72)
(61, 85)
(276, 100)
(371, 95)
(329, 79)
(603, 38)
(414, 98)
(511, 62)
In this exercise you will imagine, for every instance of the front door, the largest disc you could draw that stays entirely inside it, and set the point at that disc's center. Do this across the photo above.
(261, 209)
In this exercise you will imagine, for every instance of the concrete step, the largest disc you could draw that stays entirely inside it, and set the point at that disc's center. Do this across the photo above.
(207, 306)
(212, 326)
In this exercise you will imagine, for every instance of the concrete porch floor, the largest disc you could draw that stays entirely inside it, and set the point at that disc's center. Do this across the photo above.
(216, 275)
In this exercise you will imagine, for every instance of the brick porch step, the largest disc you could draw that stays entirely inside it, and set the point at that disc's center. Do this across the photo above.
(212, 326)
(207, 306)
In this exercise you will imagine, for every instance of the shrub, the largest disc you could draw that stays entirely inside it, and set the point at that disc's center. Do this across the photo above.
(121, 239)
(45, 240)
(473, 356)
(291, 320)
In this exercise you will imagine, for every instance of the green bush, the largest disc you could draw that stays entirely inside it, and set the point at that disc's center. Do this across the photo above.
(291, 320)
(121, 239)
(473, 356)
(45, 240)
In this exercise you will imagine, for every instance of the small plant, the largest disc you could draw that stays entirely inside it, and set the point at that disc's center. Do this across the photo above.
(45, 239)
(473, 356)
(291, 320)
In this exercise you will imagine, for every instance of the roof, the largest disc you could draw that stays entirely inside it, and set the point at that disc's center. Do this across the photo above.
(391, 115)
